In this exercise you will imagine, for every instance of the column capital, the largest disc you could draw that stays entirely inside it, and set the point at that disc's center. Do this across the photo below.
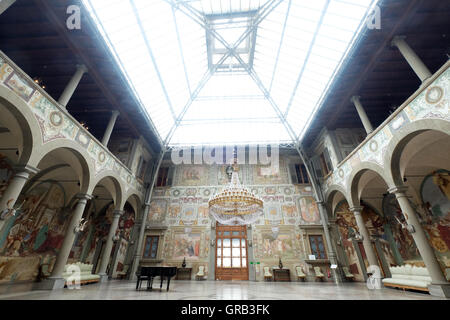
(118, 213)
(355, 209)
(355, 99)
(81, 67)
(115, 112)
(399, 189)
(26, 169)
(83, 196)
(396, 39)
(145, 205)
(320, 202)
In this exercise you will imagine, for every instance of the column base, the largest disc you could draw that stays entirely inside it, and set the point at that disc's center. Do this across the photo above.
(49, 284)
(440, 290)
(103, 277)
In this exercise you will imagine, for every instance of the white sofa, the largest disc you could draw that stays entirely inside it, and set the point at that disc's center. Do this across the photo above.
(86, 275)
(408, 277)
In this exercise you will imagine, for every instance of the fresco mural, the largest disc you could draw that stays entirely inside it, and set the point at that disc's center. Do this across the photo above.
(157, 211)
(403, 241)
(346, 223)
(309, 210)
(192, 175)
(435, 193)
(36, 231)
(186, 246)
(100, 228)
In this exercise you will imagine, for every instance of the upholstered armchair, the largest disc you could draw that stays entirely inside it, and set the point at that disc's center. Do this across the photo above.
(201, 273)
(267, 274)
(348, 275)
(300, 273)
(319, 274)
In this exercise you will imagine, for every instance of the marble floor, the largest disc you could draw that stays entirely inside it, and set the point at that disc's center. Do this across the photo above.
(215, 290)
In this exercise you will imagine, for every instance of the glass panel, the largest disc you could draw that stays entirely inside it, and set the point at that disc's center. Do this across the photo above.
(219, 262)
(235, 233)
(226, 242)
(219, 252)
(226, 233)
(226, 252)
(236, 252)
(244, 262)
(219, 242)
(244, 253)
(236, 262)
(243, 243)
(226, 262)
(236, 243)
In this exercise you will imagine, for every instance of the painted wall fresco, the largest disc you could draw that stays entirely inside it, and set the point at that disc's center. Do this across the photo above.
(36, 232)
(6, 173)
(435, 193)
(185, 205)
(377, 226)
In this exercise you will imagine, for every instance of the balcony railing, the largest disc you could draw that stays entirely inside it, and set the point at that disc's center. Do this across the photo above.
(56, 123)
(430, 101)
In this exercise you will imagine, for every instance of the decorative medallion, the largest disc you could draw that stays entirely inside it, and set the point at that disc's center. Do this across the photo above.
(82, 139)
(101, 156)
(56, 118)
(434, 95)
(206, 192)
(128, 179)
(373, 145)
(287, 191)
(341, 173)
(176, 192)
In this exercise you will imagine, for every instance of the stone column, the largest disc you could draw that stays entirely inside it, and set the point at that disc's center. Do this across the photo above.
(140, 242)
(362, 114)
(108, 246)
(368, 248)
(440, 286)
(414, 61)
(110, 127)
(12, 192)
(56, 280)
(326, 231)
(5, 4)
(72, 85)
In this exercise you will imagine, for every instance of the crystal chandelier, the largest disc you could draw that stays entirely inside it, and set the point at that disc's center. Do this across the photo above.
(235, 205)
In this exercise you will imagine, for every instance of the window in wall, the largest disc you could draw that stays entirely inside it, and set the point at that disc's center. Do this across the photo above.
(317, 246)
(324, 165)
(302, 175)
(151, 247)
(142, 169)
(163, 175)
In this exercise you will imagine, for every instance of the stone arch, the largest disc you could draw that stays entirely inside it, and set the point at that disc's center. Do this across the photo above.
(71, 153)
(134, 200)
(401, 139)
(21, 122)
(112, 184)
(355, 177)
(332, 192)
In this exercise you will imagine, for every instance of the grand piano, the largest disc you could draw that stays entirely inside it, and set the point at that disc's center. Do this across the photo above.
(148, 273)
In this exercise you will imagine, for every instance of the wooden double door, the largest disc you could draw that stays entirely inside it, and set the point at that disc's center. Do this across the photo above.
(231, 253)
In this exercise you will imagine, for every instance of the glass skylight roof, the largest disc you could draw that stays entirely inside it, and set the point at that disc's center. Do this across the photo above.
(177, 57)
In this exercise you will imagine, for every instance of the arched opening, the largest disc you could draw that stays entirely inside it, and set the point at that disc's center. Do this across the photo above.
(422, 162)
(16, 138)
(33, 237)
(390, 242)
(90, 242)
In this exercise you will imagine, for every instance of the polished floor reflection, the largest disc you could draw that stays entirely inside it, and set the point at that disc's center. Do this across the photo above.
(215, 290)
